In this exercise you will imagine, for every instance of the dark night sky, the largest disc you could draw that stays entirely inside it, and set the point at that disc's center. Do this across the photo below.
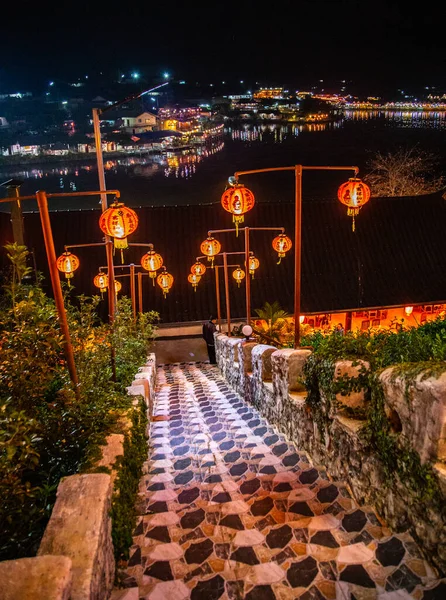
(373, 44)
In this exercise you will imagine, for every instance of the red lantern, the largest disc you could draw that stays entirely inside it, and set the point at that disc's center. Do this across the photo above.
(237, 200)
(165, 281)
(354, 193)
(118, 286)
(210, 248)
(254, 264)
(101, 281)
(281, 245)
(118, 221)
(194, 279)
(68, 263)
(198, 268)
(151, 262)
(239, 275)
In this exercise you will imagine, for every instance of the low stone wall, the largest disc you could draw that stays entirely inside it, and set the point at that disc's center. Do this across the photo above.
(75, 560)
(46, 577)
(271, 380)
(80, 528)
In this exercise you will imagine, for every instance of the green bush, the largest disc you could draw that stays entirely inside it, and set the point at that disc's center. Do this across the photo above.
(46, 432)
(410, 351)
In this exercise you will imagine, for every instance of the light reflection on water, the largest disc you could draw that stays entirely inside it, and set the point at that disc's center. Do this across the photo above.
(184, 164)
(401, 118)
(158, 178)
(171, 164)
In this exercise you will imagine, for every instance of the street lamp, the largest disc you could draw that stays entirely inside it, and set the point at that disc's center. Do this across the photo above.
(247, 254)
(225, 268)
(42, 204)
(97, 112)
(351, 195)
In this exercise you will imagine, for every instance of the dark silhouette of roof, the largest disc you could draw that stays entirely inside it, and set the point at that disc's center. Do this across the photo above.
(396, 256)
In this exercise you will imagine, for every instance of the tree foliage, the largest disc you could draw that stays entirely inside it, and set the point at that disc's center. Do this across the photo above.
(405, 172)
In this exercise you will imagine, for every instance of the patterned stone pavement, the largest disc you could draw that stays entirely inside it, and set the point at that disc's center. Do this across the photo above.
(233, 510)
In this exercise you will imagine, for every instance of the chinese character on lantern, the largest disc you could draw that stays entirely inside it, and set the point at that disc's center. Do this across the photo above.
(101, 281)
(239, 275)
(253, 264)
(165, 281)
(237, 200)
(118, 222)
(194, 279)
(281, 245)
(68, 263)
(152, 262)
(210, 248)
(198, 268)
(354, 193)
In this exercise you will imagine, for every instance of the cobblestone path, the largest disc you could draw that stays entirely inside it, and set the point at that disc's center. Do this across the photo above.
(235, 511)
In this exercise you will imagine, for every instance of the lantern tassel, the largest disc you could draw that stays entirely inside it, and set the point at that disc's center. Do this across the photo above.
(153, 280)
(236, 229)
(122, 257)
(280, 258)
(353, 223)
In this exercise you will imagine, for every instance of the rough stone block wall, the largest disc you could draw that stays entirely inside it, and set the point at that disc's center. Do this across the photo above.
(146, 378)
(339, 443)
(36, 578)
(80, 528)
(420, 412)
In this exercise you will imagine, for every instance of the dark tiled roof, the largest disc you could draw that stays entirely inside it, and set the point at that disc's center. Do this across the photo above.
(397, 255)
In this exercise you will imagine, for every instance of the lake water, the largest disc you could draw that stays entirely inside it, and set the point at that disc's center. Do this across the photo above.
(199, 176)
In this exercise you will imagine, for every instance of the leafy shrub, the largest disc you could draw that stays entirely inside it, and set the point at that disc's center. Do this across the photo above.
(45, 432)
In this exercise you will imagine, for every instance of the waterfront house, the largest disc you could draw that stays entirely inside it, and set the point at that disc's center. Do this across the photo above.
(137, 122)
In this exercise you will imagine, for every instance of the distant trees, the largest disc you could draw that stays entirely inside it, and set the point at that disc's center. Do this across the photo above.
(405, 172)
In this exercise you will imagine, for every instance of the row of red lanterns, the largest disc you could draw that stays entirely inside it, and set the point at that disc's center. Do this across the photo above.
(68, 263)
(210, 247)
(198, 269)
(118, 222)
(238, 199)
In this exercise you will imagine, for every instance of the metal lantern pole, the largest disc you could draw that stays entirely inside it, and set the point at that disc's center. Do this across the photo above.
(246, 252)
(101, 176)
(217, 296)
(102, 186)
(225, 267)
(228, 306)
(298, 169)
(132, 290)
(140, 292)
(42, 203)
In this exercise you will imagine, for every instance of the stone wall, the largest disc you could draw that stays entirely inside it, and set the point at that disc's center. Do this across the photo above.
(75, 560)
(80, 528)
(271, 380)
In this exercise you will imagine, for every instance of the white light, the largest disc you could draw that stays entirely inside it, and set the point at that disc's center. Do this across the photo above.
(51, 83)
(135, 75)
(241, 81)
(166, 75)
(246, 330)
